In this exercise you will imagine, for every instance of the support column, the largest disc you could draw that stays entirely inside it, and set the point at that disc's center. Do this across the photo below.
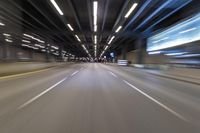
(60, 53)
(141, 48)
(124, 52)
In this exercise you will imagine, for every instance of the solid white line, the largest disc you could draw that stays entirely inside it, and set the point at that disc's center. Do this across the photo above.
(41, 94)
(113, 74)
(159, 103)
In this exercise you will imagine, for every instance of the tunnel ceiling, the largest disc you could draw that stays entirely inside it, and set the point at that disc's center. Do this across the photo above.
(41, 17)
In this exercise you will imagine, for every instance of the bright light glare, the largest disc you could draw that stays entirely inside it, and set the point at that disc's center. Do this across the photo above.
(118, 29)
(175, 54)
(95, 28)
(154, 52)
(70, 27)
(131, 10)
(57, 7)
(188, 55)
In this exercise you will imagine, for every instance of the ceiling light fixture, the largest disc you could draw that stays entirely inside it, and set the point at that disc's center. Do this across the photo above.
(95, 39)
(95, 7)
(78, 38)
(70, 27)
(57, 7)
(26, 41)
(111, 39)
(118, 29)
(106, 48)
(131, 10)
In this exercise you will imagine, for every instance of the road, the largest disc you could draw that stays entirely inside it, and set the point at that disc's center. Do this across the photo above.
(97, 98)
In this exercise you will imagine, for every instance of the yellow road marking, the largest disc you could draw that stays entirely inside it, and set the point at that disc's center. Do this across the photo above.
(24, 74)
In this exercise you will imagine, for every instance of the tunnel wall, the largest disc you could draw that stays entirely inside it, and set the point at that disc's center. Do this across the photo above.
(14, 53)
(21, 67)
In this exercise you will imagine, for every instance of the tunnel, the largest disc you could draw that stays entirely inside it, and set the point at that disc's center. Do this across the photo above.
(99, 66)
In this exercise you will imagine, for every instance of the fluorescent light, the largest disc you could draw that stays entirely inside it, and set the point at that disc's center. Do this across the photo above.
(2, 24)
(95, 28)
(54, 47)
(57, 7)
(188, 30)
(111, 39)
(25, 45)
(95, 7)
(118, 29)
(28, 35)
(5, 34)
(77, 38)
(131, 10)
(95, 39)
(70, 27)
(26, 41)
(84, 46)
(7, 40)
(106, 48)
(34, 38)
(37, 45)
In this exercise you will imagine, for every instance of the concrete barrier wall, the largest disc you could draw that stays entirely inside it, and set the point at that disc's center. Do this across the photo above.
(15, 53)
(21, 67)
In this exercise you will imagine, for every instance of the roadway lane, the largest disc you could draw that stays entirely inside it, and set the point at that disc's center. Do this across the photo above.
(89, 98)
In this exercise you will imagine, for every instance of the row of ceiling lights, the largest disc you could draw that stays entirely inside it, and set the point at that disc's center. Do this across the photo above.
(95, 13)
(69, 26)
(95, 9)
(120, 27)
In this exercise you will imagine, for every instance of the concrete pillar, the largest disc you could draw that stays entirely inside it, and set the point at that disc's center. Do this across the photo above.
(124, 52)
(60, 53)
(47, 45)
(140, 43)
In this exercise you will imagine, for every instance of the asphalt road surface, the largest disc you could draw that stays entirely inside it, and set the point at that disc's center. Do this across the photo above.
(97, 98)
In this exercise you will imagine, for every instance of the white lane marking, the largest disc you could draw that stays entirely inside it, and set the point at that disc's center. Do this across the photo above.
(113, 74)
(159, 103)
(41, 94)
(74, 73)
